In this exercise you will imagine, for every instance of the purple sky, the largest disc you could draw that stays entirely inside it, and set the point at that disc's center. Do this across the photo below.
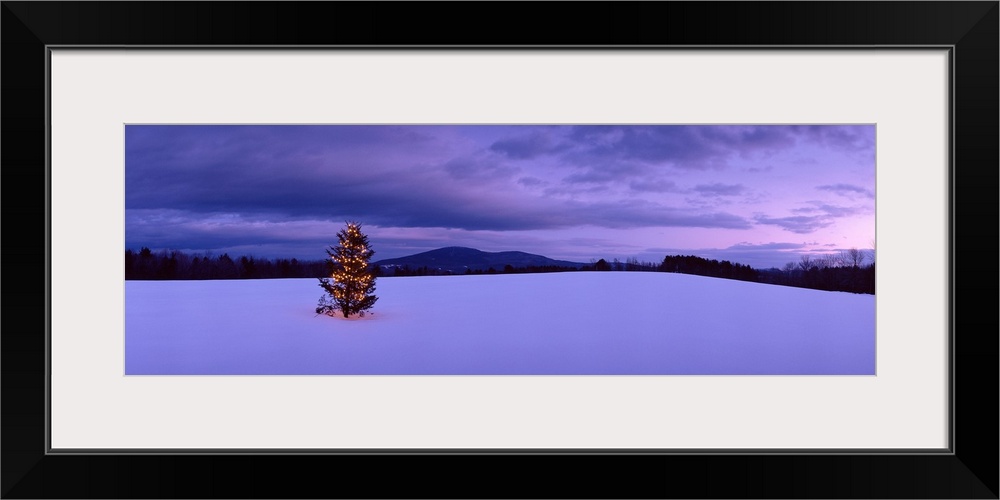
(758, 195)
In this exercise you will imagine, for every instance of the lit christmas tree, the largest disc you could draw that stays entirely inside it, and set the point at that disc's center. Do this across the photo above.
(351, 283)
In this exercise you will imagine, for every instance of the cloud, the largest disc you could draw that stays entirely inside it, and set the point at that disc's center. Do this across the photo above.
(653, 186)
(640, 213)
(837, 211)
(182, 230)
(750, 140)
(531, 181)
(609, 172)
(469, 168)
(527, 146)
(394, 176)
(576, 190)
(226, 186)
(821, 215)
(719, 189)
(745, 246)
(848, 190)
(859, 138)
(797, 224)
(832, 211)
(596, 150)
(679, 146)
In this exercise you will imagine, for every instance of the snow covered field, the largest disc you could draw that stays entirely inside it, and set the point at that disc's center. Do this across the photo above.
(582, 323)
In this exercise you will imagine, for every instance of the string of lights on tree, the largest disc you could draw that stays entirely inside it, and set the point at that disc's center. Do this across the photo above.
(351, 285)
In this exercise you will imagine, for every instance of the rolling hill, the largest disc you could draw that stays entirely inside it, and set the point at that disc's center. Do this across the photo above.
(459, 259)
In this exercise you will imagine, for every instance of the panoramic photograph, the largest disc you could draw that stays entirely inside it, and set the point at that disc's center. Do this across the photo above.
(500, 249)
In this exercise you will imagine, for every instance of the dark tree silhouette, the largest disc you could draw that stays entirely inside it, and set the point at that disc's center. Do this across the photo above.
(853, 257)
(602, 265)
(351, 284)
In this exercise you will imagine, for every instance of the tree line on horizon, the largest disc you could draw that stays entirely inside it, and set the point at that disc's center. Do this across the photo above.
(175, 265)
(846, 272)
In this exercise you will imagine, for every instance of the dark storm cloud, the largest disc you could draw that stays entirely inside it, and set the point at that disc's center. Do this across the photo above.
(683, 146)
(324, 173)
(749, 140)
(237, 168)
(641, 155)
(859, 138)
(182, 230)
(402, 175)
(526, 146)
(468, 168)
(239, 186)
(609, 172)
(289, 173)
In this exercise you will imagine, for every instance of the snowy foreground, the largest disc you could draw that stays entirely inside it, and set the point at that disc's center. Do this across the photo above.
(583, 323)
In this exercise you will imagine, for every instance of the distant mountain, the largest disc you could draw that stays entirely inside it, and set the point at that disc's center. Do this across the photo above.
(459, 259)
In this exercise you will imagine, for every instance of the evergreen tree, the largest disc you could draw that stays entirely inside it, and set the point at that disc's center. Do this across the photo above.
(351, 283)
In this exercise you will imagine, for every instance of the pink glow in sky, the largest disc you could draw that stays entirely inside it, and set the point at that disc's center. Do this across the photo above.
(757, 195)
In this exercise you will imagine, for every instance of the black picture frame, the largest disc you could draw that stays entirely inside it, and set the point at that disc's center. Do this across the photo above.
(969, 28)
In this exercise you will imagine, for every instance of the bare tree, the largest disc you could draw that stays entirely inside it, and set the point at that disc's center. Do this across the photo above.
(839, 260)
(805, 262)
(824, 261)
(853, 257)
